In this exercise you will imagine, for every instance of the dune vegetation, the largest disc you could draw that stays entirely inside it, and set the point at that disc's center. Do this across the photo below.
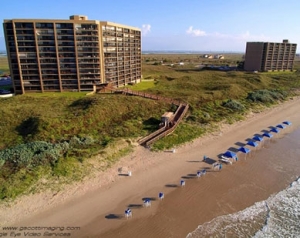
(61, 136)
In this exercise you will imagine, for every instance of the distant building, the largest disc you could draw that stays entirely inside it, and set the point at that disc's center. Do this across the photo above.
(219, 57)
(269, 56)
(76, 54)
(207, 56)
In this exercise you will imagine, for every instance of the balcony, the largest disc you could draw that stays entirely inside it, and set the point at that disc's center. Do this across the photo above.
(85, 44)
(47, 55)
(30, 72)
(49, 66)
(91, 27)
(88, 55)
(89, 66)
(45, 32)
(49, 77)
(31, 78)
(66, 55)
(68, 72)
(68, 26)
(46, 43)
(48, 61)
(90, 61)
(87, 50)
(69, 82)
(86, 33)
(89, 71)
(65, 32)
(69, 78)
(65, 38)
(53, 72)
(82, 77)
(65, 43)
(25, 66)
(19, 25)
(25, 38)
(66, 49)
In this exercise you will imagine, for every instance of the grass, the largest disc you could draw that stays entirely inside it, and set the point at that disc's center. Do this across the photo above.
(108, 120)
(51, 95)
(4, 65)
(143, 85)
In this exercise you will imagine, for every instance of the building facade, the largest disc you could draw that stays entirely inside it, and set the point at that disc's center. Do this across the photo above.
(269, 56)
(71, 55)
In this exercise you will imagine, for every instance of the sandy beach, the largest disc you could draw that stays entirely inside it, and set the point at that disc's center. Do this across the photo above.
(97, 205)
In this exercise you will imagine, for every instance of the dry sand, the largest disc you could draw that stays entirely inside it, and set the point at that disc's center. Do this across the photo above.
(97, 205)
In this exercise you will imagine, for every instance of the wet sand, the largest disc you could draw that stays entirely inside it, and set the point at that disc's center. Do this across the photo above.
(99, 212)
(253, 178)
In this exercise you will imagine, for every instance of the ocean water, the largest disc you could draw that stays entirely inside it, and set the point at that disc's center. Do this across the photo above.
(277, 216)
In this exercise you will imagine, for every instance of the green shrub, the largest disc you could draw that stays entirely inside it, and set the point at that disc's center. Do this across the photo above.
(234, 105)
(33, 154)
(266, 96)
(84, 141)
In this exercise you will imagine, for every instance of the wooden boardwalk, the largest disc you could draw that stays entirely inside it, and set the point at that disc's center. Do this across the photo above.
(128, 91)
(168, 128)
(164, 131)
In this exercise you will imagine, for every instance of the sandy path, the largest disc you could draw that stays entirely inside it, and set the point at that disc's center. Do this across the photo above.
(86, 205)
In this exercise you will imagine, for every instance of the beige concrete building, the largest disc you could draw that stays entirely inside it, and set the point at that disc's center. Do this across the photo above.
(71, 55)
(269, 56)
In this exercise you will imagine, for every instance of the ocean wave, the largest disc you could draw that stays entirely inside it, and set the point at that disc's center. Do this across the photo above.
(278, 216)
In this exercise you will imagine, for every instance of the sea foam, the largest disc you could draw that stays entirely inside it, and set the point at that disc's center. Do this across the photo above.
(278, 216)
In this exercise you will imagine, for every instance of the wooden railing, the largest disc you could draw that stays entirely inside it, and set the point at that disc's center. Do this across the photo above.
(168, 128)
(152, 135)
(179, 114)
(184, 109)
(127, 91)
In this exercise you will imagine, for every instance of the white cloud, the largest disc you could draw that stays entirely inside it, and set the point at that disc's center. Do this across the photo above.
(195, 32)
(246, 36)
(146, 28)
(240, 37)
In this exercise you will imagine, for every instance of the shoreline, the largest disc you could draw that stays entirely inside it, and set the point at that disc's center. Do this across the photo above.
(151, 170)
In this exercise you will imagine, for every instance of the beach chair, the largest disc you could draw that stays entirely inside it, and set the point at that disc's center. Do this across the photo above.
(128, 213)
(182, 183)
(199, 174)
(226, 159)
(216, 166)
(161, 196)
(147, 203)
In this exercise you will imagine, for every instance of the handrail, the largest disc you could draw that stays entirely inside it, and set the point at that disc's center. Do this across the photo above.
(142, 94)
(171, 129)
(153, 134)
(164, 131)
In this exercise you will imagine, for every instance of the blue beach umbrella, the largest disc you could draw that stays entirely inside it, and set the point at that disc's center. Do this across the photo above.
(287, 123)
(275, 130)
(244, 150)
(258, 138)
(268, 135)
(230, 154)
(252, 143)
(280, 126)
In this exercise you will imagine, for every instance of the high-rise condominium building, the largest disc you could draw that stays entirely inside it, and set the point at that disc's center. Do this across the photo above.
(269, 56)
(71, 55)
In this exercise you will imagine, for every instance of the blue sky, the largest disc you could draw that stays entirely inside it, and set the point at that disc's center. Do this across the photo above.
(202, 25)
